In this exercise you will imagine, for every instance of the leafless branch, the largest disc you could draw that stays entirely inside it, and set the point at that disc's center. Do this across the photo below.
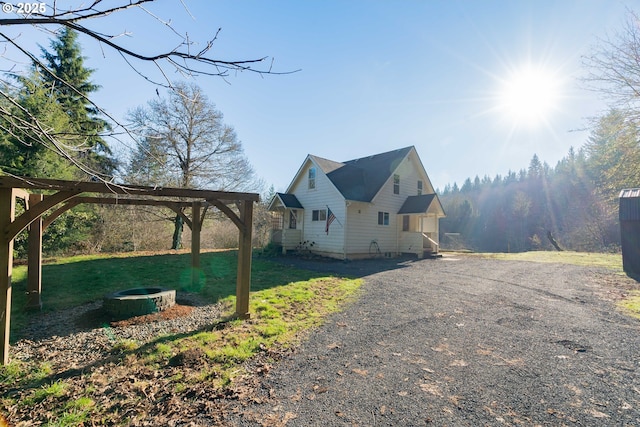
(613, 67)
(180, 59)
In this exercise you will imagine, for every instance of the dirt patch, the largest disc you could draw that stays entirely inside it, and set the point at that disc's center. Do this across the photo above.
(170, 313)
(98, 317)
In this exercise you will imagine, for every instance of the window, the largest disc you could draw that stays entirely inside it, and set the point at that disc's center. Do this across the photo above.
(319, 215)
(406, 222)
(312, 178)
(293, 223)
(277, 221)
(383, 218)
(419, 187)
(396, 184)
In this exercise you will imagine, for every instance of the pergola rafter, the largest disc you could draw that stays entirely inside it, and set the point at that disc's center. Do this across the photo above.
(63, 195)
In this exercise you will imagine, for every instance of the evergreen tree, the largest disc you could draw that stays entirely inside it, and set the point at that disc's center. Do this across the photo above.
(613, 155)
(27, 148)
(20, 150)
(69, 81)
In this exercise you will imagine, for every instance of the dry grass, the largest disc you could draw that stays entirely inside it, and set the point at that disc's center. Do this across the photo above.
(605, 260)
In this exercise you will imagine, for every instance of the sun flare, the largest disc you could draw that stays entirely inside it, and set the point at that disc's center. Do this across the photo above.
(529, 96)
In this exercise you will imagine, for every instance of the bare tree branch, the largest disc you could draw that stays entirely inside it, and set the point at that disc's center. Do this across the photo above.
(613, 67)
(179, 58)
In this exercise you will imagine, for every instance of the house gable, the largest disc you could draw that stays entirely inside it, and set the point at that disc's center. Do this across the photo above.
(321, 166)
(409, 171)
(361, 179)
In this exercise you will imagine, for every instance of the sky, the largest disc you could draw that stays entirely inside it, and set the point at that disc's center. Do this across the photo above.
(477, 86)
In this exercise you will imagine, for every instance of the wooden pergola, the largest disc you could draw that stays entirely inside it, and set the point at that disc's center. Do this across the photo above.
(42, 209)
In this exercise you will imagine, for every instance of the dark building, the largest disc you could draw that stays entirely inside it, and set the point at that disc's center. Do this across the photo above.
(630, 230)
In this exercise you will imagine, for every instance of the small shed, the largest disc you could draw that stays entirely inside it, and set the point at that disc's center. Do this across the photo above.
(630, 229)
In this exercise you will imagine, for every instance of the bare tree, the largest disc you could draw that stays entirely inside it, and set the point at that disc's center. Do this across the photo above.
(184, 142)
(613, 67)
(188, 58)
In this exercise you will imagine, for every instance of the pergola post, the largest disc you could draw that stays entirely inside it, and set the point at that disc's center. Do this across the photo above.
(196, 226)
(243, 284)
(34, 258)
(7, 215)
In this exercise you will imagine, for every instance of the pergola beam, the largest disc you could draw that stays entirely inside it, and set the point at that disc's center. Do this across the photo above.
(243, 284)
(35, 212)
(111, 188)
(196, 227)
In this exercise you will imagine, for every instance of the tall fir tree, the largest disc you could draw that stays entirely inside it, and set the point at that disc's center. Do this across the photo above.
(69, 80)
(21, 149)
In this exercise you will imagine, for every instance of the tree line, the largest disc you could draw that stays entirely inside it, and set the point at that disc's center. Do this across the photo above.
(573, 205)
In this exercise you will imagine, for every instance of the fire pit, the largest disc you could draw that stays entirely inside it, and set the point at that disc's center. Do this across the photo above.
(138, 302)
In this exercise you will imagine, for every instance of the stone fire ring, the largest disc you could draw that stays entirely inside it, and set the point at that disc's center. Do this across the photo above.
(138, 302)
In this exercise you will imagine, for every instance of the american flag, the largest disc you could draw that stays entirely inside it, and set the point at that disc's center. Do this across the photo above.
(330, 218)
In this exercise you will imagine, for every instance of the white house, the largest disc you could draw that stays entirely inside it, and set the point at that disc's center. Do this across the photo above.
(377, 205)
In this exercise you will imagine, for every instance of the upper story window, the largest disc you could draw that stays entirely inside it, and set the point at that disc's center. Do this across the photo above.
(312, 178)
(419, 187)
(396, 184)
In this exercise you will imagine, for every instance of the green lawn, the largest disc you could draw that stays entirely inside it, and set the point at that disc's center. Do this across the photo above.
(69, 282)
(284, 303)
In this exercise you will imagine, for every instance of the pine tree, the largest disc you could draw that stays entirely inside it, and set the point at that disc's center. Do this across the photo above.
(21, 153)
(614, 155)
(68, 79)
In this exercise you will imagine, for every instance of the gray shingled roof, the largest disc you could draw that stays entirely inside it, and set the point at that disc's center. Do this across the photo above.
(417, 204)
(361, 179)
(290, 200)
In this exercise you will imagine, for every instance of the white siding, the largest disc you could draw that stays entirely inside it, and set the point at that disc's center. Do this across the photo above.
(430, 224)
(290, 239)
(410, 172)
(364, 228)
(411, 242)
(363, 225)
(324, 194)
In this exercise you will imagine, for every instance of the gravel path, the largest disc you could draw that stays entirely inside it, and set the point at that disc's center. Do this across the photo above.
(463, 342)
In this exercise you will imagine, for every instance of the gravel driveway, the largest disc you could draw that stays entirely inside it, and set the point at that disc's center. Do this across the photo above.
(462, 341)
